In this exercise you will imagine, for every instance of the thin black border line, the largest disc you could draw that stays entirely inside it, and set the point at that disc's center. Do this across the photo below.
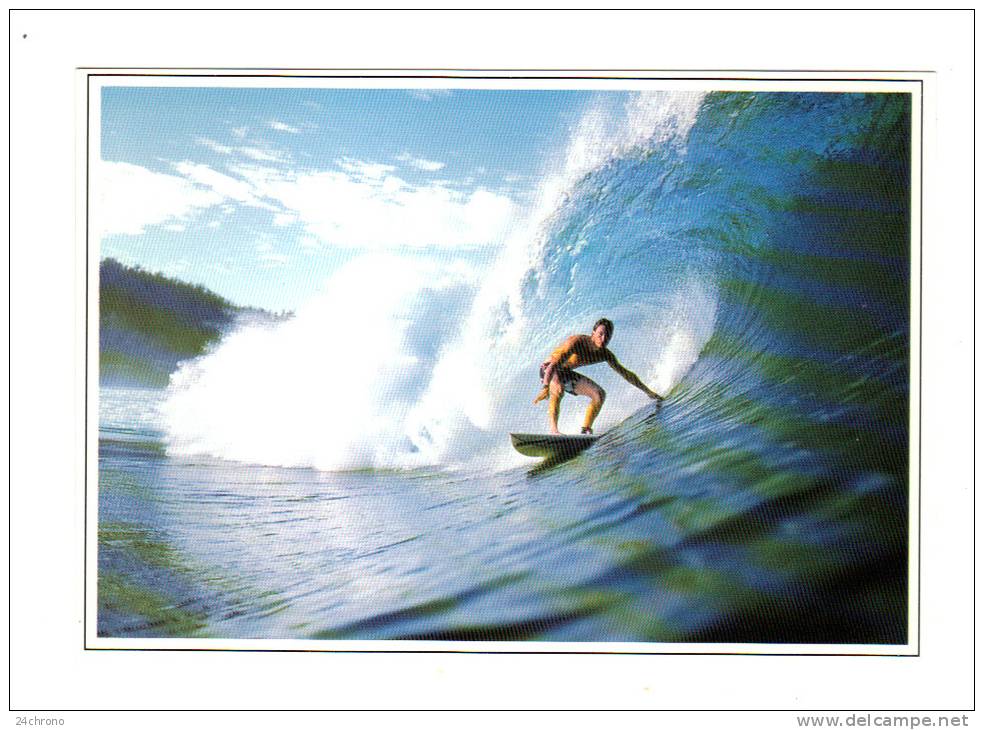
(922, 207)
(277, 70)
(10, 249)
(555, 73)
(85, 477)
(470, 651)
(505, 76)
(90, 76)
(459, 10)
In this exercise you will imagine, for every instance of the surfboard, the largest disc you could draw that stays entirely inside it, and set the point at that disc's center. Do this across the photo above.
(548, 446)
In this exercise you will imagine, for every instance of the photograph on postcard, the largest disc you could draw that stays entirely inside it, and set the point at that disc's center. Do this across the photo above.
(511, 362)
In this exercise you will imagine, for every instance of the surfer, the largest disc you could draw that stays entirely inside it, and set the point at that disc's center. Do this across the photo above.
(557, 373)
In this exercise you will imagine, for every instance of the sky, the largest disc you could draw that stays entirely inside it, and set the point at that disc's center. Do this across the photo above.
(260, 194)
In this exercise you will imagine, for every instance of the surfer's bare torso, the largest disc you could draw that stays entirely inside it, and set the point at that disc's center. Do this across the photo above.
(580, 350)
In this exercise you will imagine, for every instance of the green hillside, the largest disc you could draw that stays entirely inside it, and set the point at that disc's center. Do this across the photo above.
(148, 323)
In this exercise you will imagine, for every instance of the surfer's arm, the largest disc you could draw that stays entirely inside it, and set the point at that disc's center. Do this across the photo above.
(632, 378)
(557, 357)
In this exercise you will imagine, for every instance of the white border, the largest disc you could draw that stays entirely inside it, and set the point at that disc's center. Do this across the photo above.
(91, 81)
(89, 151)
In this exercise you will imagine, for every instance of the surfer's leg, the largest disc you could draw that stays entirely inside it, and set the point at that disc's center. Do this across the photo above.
(556, 393)
(545, 390)
(588, 387)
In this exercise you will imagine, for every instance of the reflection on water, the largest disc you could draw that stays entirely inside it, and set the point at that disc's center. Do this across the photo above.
(596, 549)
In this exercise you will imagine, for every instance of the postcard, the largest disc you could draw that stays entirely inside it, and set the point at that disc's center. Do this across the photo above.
(467, 362)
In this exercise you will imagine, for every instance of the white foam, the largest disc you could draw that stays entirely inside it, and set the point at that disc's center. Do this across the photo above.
(683, 335)
(329, 388)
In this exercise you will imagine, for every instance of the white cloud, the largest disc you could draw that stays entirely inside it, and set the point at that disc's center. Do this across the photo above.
(256, 175)
(254, 153)
(230, 188)
(128, 198)
(284, 219)
(240, 132)
(227, 187)
(429, 94)
(365, 207)
(420, 163)
(281, 127)
(359, 205)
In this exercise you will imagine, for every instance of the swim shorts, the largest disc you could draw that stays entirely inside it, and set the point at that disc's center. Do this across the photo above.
(568, 378)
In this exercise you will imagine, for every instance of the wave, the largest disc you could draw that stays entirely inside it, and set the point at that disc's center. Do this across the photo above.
(751, 248)
(403, 362)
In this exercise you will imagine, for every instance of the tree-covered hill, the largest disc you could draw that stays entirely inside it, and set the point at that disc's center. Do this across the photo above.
(148, 323)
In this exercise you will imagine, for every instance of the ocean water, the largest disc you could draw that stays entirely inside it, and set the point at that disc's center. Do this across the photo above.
(754, 253)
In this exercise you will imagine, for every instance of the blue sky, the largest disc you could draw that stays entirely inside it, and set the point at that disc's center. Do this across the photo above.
(260, 194)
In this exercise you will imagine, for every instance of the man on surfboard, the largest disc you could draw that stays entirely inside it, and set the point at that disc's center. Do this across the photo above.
(557, 373)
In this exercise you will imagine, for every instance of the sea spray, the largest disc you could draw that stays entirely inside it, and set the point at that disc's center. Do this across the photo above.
(484, 383)
(404, 362)
(329, 388)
